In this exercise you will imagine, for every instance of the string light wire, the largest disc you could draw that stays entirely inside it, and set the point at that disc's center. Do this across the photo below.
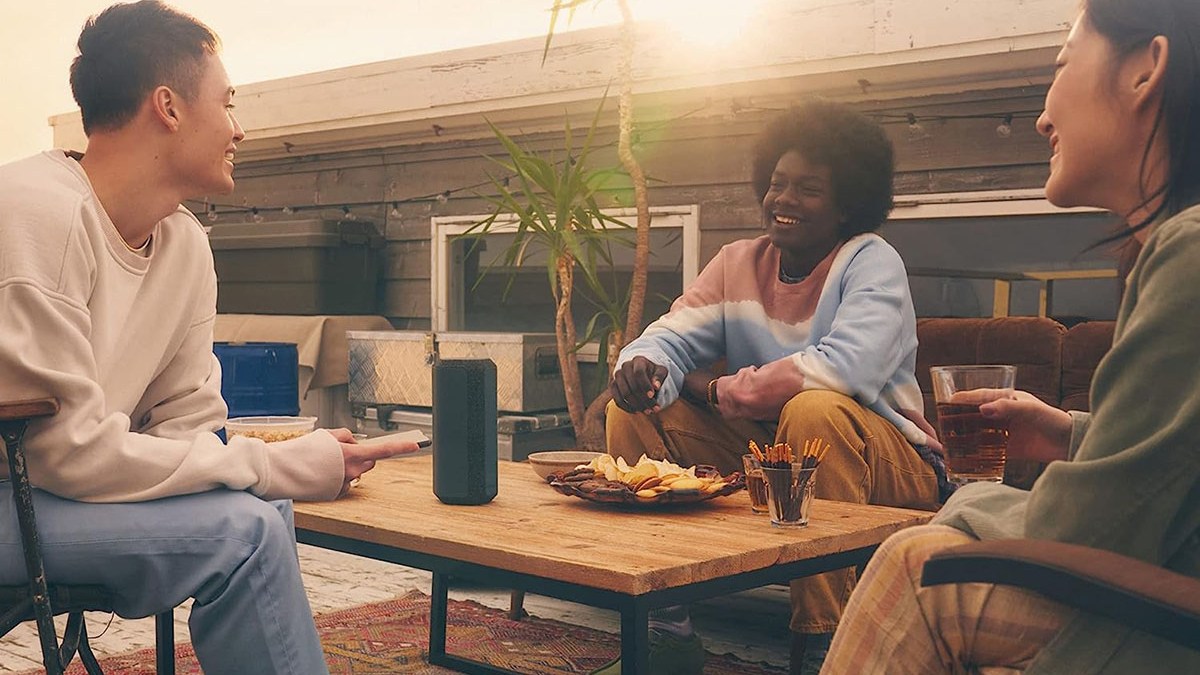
(912, 120)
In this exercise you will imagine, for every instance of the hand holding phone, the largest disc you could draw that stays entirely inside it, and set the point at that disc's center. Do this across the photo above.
(415, 435)
(360, 455)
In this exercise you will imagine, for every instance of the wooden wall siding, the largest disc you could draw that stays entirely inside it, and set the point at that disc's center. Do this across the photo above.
(701, 161)
(900, 46)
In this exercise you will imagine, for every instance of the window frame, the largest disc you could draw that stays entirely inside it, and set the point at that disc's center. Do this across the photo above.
(979, 204)
(443, 229)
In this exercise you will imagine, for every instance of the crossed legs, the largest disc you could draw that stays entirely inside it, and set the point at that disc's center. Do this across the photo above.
(894, 625)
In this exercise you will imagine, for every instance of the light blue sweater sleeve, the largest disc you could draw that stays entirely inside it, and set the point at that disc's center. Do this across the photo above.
(690, 336)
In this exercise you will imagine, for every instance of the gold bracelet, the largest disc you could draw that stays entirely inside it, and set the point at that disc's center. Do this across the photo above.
(712, 392)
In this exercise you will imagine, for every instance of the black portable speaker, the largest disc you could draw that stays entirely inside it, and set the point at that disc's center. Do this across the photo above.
(464, 431)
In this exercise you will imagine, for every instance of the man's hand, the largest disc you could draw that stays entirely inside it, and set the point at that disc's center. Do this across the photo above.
(360, 459)
(1037, 431)
(636, 383)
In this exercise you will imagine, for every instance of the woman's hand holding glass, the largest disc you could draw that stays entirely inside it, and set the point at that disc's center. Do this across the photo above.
(1037, 431)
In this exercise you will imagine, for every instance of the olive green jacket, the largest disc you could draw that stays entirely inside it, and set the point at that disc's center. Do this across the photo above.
(1132, 480)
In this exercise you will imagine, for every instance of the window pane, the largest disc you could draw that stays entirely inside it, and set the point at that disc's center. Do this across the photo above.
(518, 298)
(1030, 243)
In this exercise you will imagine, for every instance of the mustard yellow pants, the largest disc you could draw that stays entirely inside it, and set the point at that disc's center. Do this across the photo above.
(869, 462)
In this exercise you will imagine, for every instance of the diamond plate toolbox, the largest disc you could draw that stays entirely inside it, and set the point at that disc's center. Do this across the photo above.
(394, 367)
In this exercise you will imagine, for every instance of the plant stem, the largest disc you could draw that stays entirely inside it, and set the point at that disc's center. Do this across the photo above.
(564, 334)
(591, 436)
(616, 341)
(641, 252)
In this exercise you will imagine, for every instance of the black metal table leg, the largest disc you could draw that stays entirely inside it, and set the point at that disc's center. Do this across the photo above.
(164, 643)
(633, 609)
(635, 639)
(438, 604)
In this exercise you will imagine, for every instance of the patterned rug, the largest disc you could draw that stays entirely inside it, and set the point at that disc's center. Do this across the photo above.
(392, 637)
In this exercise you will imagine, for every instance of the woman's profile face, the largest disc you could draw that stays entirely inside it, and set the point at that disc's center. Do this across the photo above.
(799, 212)
(1086, 124)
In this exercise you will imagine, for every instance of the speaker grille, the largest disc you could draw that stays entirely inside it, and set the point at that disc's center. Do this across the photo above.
(464, 431)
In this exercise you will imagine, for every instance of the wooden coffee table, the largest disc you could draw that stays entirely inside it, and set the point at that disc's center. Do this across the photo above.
(632, 561)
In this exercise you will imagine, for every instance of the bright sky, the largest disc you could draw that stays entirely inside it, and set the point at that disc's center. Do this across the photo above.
(268, 39)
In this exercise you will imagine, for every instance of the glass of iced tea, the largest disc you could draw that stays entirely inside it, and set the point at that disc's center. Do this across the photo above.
(975, 447)
(754, 484)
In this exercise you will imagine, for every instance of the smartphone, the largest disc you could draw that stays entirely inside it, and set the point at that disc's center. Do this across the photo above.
(415, 435)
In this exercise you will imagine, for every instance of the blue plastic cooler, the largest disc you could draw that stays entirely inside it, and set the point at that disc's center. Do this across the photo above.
(259, 378)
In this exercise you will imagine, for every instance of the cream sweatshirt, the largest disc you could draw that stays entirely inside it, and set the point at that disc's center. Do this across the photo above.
(124, 342)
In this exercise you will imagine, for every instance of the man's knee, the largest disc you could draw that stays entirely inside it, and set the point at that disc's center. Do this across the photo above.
(246, 518)
(284, 508)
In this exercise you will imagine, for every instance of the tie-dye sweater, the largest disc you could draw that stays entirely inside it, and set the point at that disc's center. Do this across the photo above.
(847, 327)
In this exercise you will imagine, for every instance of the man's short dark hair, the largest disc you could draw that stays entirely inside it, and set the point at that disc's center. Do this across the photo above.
(129, 49)
(856, 150)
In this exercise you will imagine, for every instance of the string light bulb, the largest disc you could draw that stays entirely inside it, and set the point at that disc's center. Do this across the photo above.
(1004, 129)
(916, 131)
(212, 213)
(255, 215)
(444, 197)
(287, 210)
(347, 214)
(395, 212)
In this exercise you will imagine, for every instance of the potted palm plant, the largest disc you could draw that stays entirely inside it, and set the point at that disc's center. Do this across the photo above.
(550, 205)
(558, 210)
(641, 256)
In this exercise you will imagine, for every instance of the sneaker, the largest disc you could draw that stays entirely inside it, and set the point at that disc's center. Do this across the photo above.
(670, 654)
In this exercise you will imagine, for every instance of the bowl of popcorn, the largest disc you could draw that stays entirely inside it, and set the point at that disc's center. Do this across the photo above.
(271, 428)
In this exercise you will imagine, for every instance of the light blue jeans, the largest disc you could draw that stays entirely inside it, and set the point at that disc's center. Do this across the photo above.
(231, 551)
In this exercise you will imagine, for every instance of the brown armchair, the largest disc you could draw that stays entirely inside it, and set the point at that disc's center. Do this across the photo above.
(41, 599)
(1132, 592)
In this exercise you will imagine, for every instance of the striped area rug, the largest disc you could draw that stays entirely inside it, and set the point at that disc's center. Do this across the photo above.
(392, 637)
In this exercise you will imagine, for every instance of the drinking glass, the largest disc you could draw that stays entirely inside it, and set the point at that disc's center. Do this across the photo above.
(975, 446)
(754, 484)
(789, 494)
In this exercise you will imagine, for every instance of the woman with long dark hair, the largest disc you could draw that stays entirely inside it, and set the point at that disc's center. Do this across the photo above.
(1123, 121)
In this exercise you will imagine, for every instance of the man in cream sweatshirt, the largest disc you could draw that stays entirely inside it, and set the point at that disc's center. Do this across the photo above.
(108, 296)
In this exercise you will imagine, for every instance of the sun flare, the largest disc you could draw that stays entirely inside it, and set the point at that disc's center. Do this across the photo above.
(702, 23)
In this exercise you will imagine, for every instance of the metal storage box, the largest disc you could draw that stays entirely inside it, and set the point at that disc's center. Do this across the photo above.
(393, 367)
(517, 436)
(297, 267)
